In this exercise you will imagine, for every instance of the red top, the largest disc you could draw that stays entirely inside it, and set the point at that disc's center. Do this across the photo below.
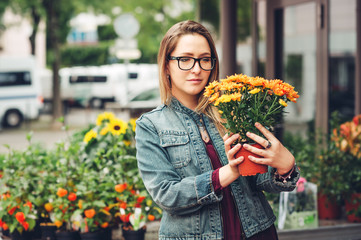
(232, 227)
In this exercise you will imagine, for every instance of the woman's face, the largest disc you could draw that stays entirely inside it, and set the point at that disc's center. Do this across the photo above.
(186, 85)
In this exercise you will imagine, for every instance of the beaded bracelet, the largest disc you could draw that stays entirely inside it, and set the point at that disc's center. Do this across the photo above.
(284, 177)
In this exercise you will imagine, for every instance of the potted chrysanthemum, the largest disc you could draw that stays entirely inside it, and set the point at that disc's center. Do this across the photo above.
(242, 101)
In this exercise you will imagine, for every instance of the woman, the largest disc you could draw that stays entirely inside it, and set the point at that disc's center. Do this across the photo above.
(188, 169)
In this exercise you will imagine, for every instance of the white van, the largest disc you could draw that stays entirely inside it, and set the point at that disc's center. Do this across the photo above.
(20, 90)
(96, 85)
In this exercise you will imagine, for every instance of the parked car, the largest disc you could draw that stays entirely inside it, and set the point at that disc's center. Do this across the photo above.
(20, 91)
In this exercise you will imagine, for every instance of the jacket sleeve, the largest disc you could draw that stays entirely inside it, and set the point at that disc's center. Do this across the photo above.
(267, 181)
(168, 189)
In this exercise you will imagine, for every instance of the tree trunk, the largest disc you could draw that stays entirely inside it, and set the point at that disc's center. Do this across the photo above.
(36, 20)
(53, 28)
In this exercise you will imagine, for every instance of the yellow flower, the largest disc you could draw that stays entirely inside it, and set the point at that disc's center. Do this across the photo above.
(283, 103)
(127, 143)
(104, 131)
(254, 91)
(117, 127)
(132, 123)
(106, 116)
(89, 136)
(220, 111)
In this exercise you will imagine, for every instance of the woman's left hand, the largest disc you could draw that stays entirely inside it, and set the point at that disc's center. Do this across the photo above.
(274, 153)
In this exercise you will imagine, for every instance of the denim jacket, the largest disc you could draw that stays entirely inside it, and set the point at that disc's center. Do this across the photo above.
(177, 172)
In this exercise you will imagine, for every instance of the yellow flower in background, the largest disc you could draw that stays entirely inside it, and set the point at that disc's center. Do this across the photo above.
(104, 130)
(283, 103)
(106, 116)
(89, 136)
(117, 127)
(132, 123)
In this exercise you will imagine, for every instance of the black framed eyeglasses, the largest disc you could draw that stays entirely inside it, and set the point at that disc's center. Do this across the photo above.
(187, 63)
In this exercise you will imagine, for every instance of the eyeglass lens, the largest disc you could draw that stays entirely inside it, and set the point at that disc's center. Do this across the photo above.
(187, 63)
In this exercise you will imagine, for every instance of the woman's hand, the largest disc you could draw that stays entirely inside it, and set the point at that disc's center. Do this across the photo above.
(229, 172)
(274, 153)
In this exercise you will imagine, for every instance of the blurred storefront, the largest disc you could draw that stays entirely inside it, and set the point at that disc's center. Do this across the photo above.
(316, 46)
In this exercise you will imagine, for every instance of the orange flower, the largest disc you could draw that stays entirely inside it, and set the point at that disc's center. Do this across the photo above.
(48, 207)
(121, 187)
(90, 213)
(61, 192)
(20, 217)
(29, 204)
(80, 204)
(104, 225)
(25, 225)
(125, 217)
(123, 205)
(5, 226)
(140, 199)
(58, 223)
(12, 210)
(72, 197)
(151, 217)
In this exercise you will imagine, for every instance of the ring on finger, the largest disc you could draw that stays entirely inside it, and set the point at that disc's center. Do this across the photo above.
(269, 145)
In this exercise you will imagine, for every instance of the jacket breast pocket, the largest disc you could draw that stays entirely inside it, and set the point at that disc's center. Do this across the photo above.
(177, 145)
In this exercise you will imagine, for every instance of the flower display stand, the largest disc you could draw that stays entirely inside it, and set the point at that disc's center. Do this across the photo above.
(48, 232)
(73, 235)
(134, 235)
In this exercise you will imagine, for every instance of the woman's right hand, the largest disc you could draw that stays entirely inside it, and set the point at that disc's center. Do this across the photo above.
(229, 172)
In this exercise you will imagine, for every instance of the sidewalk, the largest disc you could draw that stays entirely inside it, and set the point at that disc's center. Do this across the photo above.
(46, 132)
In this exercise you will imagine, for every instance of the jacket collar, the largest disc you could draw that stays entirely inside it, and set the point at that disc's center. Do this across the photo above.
(178, 106)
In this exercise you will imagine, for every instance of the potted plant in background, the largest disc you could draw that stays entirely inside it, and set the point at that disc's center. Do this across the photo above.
(242, 101)
(346, 139)
(109, 147)
(17, 185)
(72, 186)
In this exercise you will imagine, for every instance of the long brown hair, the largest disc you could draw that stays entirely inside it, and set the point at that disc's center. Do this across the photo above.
(167, 46)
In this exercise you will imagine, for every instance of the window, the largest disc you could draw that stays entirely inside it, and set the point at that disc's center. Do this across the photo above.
(15, 78)
(87, 79)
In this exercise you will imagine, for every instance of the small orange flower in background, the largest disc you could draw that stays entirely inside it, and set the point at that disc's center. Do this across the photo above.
(123, 205)
(140, 199)
(20, 217)
(61, 192)
(104, 225)
(58, 223)
(72, 197)
(90, 213)
(151, 217)
(5, 226)
(48, 207)
(80, 204)
(12, 210)
(121, 187)
(29, 204)
(25, 225)
(348, 136)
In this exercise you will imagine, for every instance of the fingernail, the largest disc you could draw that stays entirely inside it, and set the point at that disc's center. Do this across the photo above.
(256, 124)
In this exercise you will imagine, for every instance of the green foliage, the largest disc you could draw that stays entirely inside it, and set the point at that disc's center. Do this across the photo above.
(106, 33)
(91, 55)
